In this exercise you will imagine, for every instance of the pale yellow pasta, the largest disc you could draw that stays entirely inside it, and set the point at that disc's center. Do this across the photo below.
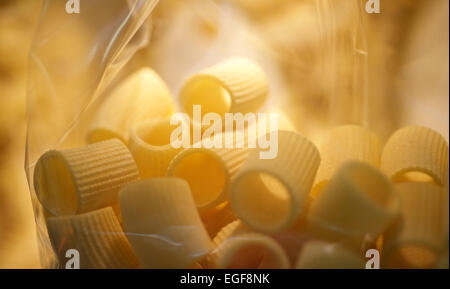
(358, 204)
(234, 85)
(216, 218)
(98, 238)
(415, 149)
(270, 194)
(343, 144)
(418, 237)
(141, 96)
(151, 148)
(162, 223)
(83, 179)
(208, 172)
(322, 255)
(250, 251)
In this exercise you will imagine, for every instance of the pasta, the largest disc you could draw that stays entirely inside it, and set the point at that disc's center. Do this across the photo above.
(237, 247)
(163, 224)
(215, 219)
(415, 149)
(208, 172)
(418, 239)
(141, 96)
(269, 194)
(359, 203)
(321, 255)
(84, 179)
(97, 236)
(151, 148)
(234, 85)
(346, 143)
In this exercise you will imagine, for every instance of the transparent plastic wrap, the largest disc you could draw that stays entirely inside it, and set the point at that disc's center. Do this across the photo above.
(111, 188)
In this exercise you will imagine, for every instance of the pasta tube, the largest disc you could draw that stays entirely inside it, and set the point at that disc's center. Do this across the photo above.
(151, 148)
(234, 85)
(359, 203)
(162, 223)
(416, 149)
(98, 238)
(418, 237)
(80, 180)
(269, 194)
(215, 219)
(141, 96)
(343, 144)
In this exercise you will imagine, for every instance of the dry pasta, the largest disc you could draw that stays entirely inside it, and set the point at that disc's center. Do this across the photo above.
(163, 224)
(141, 96)
(151, 148)
(418, 238)
(83, 179)
(321, 255)
(98, 238)
(346, 143)
(359, 203)
(270, 194)
(216, 218)
(234, 85)
(415, 149)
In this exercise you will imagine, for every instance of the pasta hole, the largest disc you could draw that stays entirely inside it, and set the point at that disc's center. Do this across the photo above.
(418, 177)
(157, 134)
(205, 175)
(55, 186)
(207, 92)
(263, 201)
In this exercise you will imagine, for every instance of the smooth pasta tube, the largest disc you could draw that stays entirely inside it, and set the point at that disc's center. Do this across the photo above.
(97, 236)
(270, 194)
(80, 180)
(162, 223)
(141, 96)
(343, 144)
(418, 237)
(415, 149)
(250, 251)
(234, 85)
(151, 148)
(321, 255)
(208, 172)
(359, 203)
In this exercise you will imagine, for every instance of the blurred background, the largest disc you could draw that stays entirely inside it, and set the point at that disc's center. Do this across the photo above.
(329, 63)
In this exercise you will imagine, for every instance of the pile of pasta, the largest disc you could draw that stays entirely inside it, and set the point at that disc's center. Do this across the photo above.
(129, 199)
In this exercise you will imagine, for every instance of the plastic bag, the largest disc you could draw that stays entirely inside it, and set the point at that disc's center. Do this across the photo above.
(313, 53)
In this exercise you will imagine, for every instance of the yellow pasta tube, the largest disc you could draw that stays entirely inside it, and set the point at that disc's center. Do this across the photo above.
(84, 179)
(418, 237)
(415, 149)
(321, 255)
(98, 238)
(215, 219)
(141, 96)
(269, 194)
(208, 172)
(359, 203)
(343, 144)
(151, 148)
(234, 85)
(250, 251)
(162, 223)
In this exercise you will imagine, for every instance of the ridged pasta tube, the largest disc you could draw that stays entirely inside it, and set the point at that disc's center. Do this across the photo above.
(141, 96)
(83, 179)
(151, 148)
(98, 238)
(358, 203)
(269, 194)
(416, 149)
(234, 85)
(237, 247)
(418, 237)
(322, 255)
(343, 144)
(162, 223)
